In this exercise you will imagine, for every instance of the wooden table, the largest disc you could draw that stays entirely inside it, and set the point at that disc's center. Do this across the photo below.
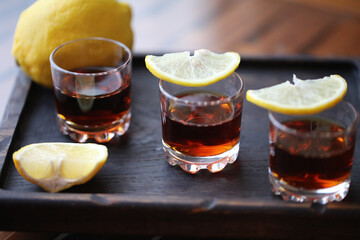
(251, 27)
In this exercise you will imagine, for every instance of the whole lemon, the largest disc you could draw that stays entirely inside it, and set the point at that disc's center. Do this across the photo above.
(46, 24)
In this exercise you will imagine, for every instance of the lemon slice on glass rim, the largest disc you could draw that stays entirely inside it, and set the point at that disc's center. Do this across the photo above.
(303, 97)
(201, 69)
(58, 166)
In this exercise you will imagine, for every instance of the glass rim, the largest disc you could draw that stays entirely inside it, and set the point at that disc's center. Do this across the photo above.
(115, 69)
(286, 129)
(202, 103)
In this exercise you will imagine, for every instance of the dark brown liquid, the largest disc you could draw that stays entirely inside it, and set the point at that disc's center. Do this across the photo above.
(320, 163)
(93, 101)
(210, 130)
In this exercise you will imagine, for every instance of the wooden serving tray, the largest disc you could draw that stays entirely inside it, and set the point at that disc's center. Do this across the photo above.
(138, 192)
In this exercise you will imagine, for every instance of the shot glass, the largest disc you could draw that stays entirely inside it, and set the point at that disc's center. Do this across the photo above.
(311, 156)
(201, 125)
(92, 79)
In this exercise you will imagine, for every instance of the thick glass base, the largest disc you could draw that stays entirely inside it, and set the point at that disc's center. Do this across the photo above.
(193, 164)
(100, 134)
(321, 196)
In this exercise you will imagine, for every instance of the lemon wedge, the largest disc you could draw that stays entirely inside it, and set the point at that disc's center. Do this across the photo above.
(201, 69)
(58, 166)
(303, 97)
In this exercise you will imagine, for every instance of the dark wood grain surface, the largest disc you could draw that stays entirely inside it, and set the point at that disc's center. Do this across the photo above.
(251, 27)
(137, 191)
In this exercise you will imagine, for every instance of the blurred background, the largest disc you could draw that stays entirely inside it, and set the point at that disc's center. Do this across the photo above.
(320, 28)
(250, 27)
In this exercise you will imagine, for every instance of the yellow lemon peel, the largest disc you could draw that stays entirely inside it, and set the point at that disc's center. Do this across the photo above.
(46, 24)
(201, 69)
(303, 97)
(58, 166)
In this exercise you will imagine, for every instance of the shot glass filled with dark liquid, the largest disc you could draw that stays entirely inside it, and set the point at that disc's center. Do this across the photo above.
(92, 79)
(311, 157)
(201, 125)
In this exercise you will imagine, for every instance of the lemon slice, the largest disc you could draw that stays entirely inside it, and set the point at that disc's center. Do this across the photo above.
(58, 166)
(302, 97)
(201, 69)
